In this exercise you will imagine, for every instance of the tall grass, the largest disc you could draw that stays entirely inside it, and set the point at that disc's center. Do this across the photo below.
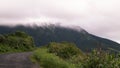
(55, 56)
(48, 60)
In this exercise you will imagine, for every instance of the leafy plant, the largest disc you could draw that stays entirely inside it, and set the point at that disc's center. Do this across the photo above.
(16, 42)
(48, 60)
(64, 50)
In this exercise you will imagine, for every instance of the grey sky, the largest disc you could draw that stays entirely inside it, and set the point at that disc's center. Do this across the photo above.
(99, 17)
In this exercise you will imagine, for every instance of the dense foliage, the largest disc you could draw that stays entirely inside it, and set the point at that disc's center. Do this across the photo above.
(59, 55)
(16, 42)
(67, 55)
(55, 33)
(54, 55)
(64, 50)
(101, 59)
(49, 60)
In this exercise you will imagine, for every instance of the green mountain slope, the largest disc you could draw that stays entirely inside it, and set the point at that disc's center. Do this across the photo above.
(45, 34)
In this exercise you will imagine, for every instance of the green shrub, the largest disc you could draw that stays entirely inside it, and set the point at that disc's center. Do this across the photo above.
(64, 50)
(101, 59)
(16, 42)
(49, 60)
(67, 55)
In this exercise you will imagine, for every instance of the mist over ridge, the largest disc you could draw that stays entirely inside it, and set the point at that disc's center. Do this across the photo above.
(45, 34)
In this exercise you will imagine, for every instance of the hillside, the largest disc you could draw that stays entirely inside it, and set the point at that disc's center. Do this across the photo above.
(52, 33)
(67, 55)
(17, 50)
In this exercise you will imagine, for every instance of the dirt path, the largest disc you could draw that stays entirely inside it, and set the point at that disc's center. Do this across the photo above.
(17, 60)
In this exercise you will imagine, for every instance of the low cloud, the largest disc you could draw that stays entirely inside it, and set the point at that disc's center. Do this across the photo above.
(99, 17)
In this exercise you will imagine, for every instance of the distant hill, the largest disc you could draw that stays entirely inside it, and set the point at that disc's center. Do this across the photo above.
(52, 33)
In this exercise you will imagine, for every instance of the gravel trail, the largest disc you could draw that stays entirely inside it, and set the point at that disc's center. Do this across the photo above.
(17, 60)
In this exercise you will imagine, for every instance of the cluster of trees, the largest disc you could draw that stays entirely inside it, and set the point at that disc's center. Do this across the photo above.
(67, 55)
(16, 42)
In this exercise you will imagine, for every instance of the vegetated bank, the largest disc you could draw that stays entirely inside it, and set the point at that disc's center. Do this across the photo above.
(67, 55)
(16, 42)
(57, 55)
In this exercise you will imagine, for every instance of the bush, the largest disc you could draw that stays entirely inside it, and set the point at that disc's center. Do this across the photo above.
(64, 50)
(16, 42)
(48, 60)
(58, 55)
(101, 59)
(67, 55)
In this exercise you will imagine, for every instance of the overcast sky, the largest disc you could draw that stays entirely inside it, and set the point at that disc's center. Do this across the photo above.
(99, 17)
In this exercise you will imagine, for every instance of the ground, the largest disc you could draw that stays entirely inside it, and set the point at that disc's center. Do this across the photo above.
(17, 60)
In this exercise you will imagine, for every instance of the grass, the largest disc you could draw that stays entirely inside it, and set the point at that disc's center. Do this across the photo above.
(52, 56)
(49, 60)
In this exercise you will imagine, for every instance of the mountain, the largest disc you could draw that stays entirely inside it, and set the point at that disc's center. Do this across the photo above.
(53, 33)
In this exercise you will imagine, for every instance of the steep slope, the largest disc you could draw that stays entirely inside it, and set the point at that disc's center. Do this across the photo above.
(45, 34)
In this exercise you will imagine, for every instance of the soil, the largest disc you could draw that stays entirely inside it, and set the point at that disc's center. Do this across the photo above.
(17, 60)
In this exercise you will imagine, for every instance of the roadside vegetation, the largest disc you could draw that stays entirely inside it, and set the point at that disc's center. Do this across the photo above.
(58, 55)
(16, 42)
(67, 55)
